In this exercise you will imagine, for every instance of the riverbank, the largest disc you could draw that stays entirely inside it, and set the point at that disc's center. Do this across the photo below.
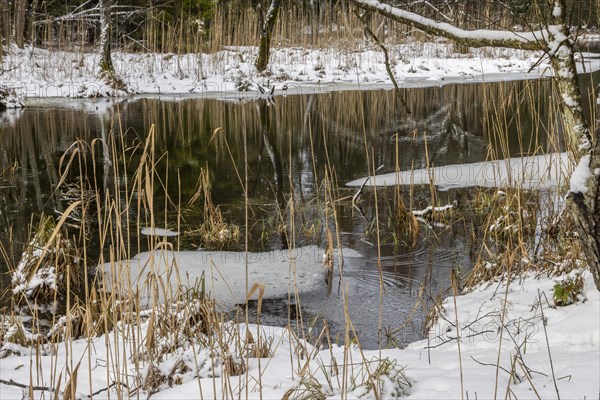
(38, 73)
(513, 340)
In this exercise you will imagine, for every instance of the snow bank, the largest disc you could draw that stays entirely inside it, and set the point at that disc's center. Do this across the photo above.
(33, 72)
(514, 324)
(281, 271)
(533, 172)
(572, 334)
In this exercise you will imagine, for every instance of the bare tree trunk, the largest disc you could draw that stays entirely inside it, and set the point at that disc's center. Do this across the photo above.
(265, 35)
(29, 28)
(20, 18)
(555, 40)
(106, 65)
(583, 202)
(5, 20)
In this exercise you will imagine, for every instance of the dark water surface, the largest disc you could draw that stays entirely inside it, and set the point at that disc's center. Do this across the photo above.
(293, 144)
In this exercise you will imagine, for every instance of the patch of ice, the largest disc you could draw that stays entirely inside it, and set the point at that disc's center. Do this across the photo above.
(224, 272)
(543, 171)
(158, 232)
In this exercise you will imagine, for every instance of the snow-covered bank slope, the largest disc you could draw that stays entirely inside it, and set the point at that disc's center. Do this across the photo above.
(498, 322)
(41, 73)
(534, 172)
(572, 334)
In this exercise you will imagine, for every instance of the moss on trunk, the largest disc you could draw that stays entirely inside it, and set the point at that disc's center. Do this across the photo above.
(265, 35)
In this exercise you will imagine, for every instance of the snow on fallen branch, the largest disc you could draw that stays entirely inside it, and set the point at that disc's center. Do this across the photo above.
(535, 40)
(431, 210)
(93, 14)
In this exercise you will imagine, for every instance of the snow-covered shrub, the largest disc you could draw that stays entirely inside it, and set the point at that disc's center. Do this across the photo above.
(9, 99)
(186, 338)
(308, 388)
(49, 264)
(15, 338)
(379, 378)
(387, 379)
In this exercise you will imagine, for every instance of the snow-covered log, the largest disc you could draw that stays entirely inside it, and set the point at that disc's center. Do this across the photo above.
(472, 38)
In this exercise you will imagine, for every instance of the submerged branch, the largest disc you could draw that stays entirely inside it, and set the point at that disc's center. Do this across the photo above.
(386, 60)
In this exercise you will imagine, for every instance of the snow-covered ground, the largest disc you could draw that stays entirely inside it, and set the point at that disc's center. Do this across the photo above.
(513, 344)
(41, 73)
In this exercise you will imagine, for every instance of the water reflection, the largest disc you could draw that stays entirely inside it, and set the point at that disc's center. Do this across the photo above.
(292, 145)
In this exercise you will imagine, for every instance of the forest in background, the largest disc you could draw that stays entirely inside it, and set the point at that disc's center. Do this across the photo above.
(188, 26)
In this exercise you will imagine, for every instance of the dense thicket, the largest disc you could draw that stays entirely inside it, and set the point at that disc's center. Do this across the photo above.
(206, 25)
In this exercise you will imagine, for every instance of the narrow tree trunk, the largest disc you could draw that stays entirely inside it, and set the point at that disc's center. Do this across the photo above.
(583, 202)
(20, 18)
(265, 35)
(29, 28)
(106, 65)
(5, 20)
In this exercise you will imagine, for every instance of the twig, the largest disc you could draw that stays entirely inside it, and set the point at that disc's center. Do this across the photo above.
(97, 392)
(548, 343)
(355, 197)
(529, 379)
(491, 365)
(449, 340)
(29, 387)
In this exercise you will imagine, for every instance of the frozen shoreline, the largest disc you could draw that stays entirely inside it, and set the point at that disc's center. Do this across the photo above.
(38, 73)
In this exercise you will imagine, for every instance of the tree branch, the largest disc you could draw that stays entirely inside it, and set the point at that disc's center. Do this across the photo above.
(22, 386)
(473, 38)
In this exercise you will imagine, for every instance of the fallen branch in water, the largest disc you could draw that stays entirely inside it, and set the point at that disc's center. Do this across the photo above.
(431, 210)
(359, 191)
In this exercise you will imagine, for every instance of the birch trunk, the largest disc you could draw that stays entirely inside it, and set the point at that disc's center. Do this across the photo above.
(106, 65)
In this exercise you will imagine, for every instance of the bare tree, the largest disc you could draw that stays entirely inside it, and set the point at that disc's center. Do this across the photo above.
(5, 21)
(268, 24)
(106, 65)
(555, 40)
(20, 21)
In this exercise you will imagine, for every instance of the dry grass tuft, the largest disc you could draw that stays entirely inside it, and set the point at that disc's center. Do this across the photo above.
(214, 232)
(14, 337)
(309, 388)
